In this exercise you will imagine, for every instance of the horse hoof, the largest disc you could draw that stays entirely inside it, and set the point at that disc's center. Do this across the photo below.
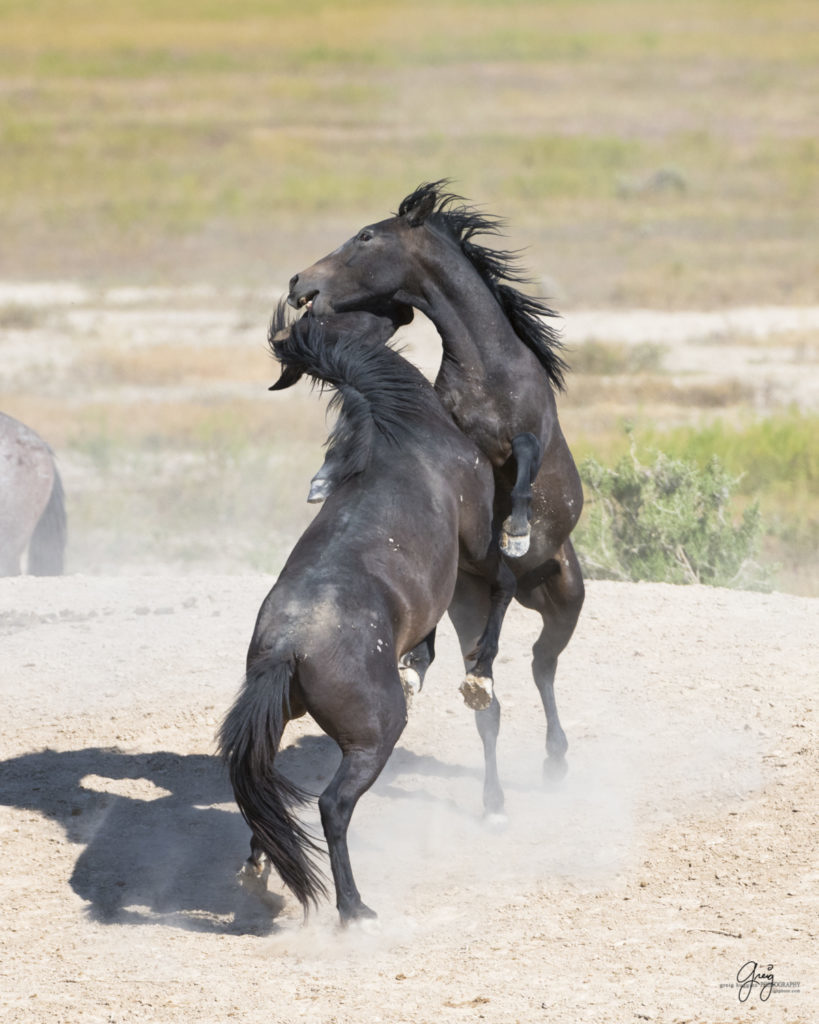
(365, 925)
(554, 770)
(256, 869)
(476, 692)
(410, 682)
(496, 821)
(319, 490)
(514, 546)
(362, 919)
(253, 879)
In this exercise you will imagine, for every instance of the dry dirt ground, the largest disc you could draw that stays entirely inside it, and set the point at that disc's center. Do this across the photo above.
(681, 845)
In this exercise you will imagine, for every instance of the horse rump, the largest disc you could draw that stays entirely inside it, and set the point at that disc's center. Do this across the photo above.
(248, 742)
(46, 551)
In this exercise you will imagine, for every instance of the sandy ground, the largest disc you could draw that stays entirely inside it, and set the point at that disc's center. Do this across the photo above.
(681, 845)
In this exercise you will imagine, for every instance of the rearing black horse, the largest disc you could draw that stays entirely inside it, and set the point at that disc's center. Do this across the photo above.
(366, 583)
(500, 369)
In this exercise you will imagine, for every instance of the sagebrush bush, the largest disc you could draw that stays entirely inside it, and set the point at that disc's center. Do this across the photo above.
(669, 521)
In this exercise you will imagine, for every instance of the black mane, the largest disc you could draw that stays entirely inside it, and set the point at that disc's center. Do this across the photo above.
(496, 267)
(381, 398)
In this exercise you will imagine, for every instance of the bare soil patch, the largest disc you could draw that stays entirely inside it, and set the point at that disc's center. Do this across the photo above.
(680, 846)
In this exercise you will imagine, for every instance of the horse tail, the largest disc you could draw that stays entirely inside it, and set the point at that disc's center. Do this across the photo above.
(47, 547)
(248, 741)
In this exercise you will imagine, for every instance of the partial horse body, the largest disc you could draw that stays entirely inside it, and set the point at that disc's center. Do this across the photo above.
(365, 585)
(32, 504)
(500, 369)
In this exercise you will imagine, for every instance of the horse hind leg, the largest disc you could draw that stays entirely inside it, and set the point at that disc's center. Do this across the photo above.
(361, 763)
(514, 540)
(559, 599)
(468, 611)
(478, 687)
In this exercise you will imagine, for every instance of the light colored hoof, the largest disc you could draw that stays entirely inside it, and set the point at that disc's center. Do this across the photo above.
(495, 822)
(476, 692)
(254, 874)
(365, 926)
(514, 546)
(319, 490)
(253, 879)
(410, 681)
(554, 770)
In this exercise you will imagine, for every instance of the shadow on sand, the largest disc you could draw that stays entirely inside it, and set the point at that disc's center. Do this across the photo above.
(170, 853)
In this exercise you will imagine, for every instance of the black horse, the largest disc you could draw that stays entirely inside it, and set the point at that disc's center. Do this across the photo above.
(500, 369)
(367, 582)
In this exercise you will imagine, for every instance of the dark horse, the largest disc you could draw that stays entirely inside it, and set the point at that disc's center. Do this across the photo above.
(500, 369)
(367, 582)
(32, 505)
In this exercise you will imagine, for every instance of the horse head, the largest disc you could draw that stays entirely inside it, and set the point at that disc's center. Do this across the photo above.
(371, 271)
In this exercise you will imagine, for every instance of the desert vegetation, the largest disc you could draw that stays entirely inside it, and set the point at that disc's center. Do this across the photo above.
(179, 163)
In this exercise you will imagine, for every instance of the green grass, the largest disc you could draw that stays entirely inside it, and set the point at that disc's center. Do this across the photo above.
(200, 140)
(667, 520)
(773, 461)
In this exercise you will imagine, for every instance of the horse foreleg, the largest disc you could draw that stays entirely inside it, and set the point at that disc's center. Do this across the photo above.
(527, 453)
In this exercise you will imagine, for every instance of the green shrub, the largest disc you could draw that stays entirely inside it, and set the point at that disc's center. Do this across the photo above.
(669, 521)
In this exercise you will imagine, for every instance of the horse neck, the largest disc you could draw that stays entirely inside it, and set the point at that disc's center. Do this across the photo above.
(466, 314)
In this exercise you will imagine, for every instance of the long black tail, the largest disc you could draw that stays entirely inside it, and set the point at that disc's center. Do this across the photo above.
(46, 551)
(248, 741)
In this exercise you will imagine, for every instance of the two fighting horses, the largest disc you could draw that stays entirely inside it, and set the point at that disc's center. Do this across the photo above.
(481, 466)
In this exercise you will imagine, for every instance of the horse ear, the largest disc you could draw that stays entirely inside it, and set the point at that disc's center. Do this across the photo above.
(290, 376)
(418, 212)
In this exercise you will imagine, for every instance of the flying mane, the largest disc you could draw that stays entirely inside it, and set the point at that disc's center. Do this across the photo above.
(496, 267)
(381, 398)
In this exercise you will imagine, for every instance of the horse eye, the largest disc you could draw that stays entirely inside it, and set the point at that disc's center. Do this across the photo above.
(365, 236)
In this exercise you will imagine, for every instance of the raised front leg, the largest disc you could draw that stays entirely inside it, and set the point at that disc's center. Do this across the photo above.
(527, 453)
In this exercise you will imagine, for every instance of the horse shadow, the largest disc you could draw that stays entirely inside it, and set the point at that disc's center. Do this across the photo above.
(161, 839)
